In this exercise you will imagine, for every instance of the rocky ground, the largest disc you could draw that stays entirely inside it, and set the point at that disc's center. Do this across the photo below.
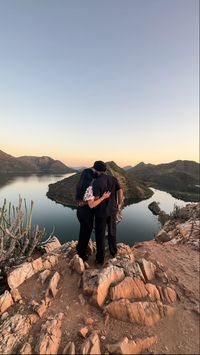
(146, 300)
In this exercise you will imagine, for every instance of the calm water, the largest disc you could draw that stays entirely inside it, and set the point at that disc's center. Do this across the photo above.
(138, 222)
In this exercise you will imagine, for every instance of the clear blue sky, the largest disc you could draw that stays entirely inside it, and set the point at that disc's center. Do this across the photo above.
(82, 80)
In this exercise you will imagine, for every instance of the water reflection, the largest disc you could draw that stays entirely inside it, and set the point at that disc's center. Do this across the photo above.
(138, 223)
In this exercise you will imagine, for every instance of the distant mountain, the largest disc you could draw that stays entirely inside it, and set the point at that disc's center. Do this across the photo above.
(179, 177)
(64, 191)
(127, 167)
(31, 164)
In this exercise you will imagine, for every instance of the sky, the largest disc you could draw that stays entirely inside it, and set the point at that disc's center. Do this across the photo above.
(86, 80)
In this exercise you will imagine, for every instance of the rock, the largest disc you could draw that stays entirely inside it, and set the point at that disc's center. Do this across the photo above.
(91, 248)
(44, 275)
(5, 301)
(13, 330)
(154, 208)
(162, 236)
(127, 346)
(147, 313)
(26, 349)
(97, 283)
(49, 261)
(50, 335)
(148, 269)
(15, 295)
(83, 331)
(4, 316)
(77, 264)
(69, 348)
(50, 245)
(53, 283)
(88, 321)
(17, 276)
(81, 299)
(167, 294)
(123, 249)
(153, 292)
(41, 308)
(20, 274)
(128, 288)
(37, 265)
(91, 346)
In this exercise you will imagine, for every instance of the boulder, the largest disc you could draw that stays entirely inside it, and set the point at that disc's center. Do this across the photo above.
(77, 264)
(162, 236)
(148, 269)
(153, 292)
(53, 283)
(50, 245)
(127, 346)
(154, 208)
(91, 346)
(5, 301)
(97, 282)
(128, 288)
(50, 335)
(167, 294)
(13, 330)
(145, 313)
(17, 276)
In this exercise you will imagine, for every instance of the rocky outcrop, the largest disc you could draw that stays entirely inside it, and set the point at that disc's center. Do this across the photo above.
(77, 264)
(148, 269)
(96, 283)
(50, 337)
(178, 231)
(17, 276)
(126, 346)
(91, 345)
(130, 288)
(13, 330)
(53, 283)
(5, 301)
(145, 313)
(50, 245)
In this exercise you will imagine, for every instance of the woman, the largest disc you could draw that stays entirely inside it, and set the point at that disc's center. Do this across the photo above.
(85, 212)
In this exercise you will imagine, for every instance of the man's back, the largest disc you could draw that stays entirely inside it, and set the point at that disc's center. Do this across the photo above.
(102, 184)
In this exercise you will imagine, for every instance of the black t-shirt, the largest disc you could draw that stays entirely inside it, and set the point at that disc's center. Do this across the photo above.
(102, 184)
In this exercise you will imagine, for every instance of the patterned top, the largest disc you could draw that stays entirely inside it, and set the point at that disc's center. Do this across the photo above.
(88, 194)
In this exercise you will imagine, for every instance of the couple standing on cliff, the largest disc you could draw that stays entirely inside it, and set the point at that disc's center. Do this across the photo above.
(99, 198)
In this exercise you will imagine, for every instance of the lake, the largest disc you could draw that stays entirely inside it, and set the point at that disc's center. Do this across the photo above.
(138, 222)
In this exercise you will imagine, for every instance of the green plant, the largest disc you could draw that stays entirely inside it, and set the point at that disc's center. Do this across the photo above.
(18, 238)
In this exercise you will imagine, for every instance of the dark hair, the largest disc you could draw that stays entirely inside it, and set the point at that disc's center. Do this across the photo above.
(100, 166)
(85, 180)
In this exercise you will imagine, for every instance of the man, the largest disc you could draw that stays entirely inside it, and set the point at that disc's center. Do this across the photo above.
(105, 213)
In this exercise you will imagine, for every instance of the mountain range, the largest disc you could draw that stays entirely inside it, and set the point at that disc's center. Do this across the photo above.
(180, 177)
(64, 191)
(31, 164)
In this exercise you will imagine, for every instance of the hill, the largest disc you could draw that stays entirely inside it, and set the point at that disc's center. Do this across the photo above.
(179, 177)
(64, 191)
(31, 164)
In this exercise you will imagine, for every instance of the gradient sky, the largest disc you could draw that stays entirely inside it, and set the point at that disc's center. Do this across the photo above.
(83, 80)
